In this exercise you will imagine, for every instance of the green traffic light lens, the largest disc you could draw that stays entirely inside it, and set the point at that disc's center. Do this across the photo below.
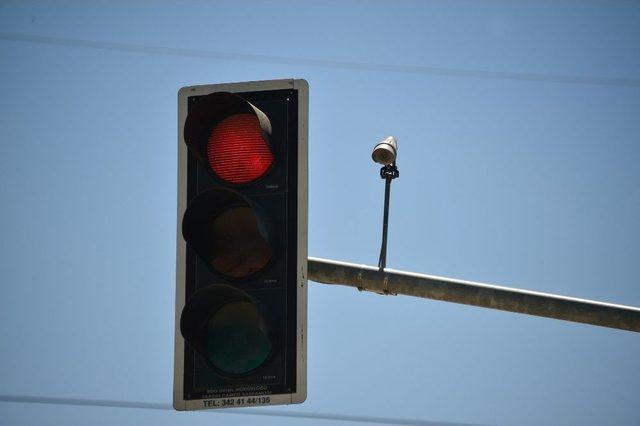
(239, 248)
(236, 339)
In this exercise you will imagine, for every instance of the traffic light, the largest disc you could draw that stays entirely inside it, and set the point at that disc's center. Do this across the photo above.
(241, 280)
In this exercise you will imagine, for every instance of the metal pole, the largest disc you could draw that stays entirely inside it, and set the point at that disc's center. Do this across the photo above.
(382, 261)
(389, 281)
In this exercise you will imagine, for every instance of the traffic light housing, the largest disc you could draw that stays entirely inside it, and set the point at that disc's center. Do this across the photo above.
(241, 288)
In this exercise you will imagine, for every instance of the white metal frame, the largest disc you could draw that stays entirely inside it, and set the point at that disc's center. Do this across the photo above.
(179, 403)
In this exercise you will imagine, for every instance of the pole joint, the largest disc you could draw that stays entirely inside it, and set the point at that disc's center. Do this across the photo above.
(390, 171)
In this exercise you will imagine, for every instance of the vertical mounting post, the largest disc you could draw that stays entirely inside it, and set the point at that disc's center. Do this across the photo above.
(388, 173)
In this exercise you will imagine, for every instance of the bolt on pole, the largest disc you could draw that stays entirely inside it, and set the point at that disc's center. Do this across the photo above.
(392, 282)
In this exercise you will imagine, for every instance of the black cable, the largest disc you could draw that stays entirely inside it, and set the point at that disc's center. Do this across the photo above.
(24, 399)
(327, 63)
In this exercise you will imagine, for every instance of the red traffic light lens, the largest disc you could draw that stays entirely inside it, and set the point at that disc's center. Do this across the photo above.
(237, 151)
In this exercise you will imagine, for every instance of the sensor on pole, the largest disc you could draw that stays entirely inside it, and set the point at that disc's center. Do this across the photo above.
(385, 153)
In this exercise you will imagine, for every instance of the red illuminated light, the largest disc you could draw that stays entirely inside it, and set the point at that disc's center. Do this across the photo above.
(237, 151)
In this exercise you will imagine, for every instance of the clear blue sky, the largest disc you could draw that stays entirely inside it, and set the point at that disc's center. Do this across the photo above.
(529, 180)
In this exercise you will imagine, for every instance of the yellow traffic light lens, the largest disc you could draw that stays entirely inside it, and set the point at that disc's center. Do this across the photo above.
(239, 248)
(236, 340)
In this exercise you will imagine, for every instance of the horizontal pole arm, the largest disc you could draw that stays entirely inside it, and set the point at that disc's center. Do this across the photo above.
(389, 281)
